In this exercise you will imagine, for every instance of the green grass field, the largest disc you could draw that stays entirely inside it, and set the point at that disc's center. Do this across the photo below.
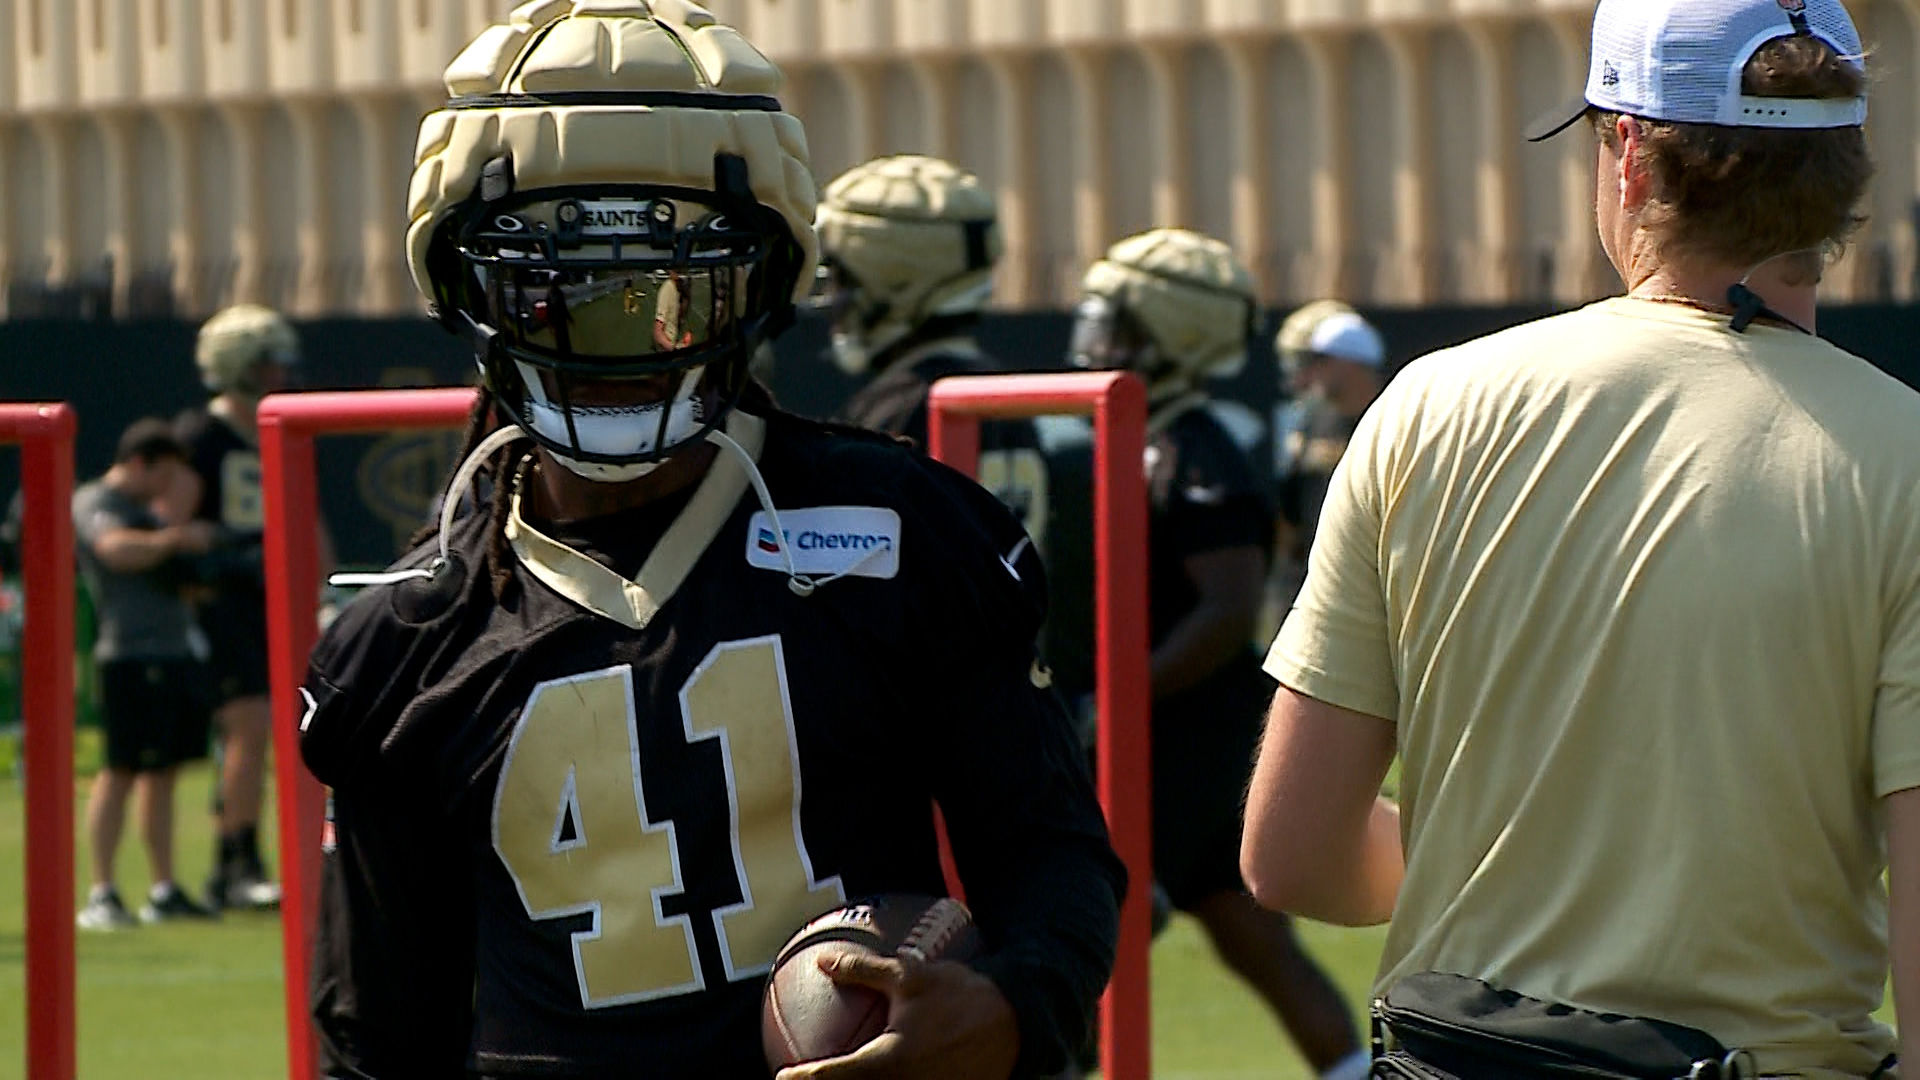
(204, 1002)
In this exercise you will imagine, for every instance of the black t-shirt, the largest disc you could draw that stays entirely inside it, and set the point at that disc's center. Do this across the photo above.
(1309, 458)
(895, 401)
(1011, 463)
(10, 532)
(567, 844)
(1203, 496)
(230, 497)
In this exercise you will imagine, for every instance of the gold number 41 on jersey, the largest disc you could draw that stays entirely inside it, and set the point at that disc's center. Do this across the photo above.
(570, 824)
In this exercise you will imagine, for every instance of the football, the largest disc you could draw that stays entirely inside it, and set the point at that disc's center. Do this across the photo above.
(805, 1016)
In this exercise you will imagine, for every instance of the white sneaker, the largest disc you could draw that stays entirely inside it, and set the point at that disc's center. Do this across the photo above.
(242, 888)
(104, 913)
(256, 893)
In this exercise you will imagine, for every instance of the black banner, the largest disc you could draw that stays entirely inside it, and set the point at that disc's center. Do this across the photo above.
(376, 490)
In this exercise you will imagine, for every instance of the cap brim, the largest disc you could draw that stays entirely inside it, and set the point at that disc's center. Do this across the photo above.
(1558, 119)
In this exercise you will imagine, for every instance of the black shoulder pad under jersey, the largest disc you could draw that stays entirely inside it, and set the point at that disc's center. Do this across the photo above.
(381, 649)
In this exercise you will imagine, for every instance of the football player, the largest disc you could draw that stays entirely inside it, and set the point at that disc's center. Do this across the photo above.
(907, 250)
(243, 354)
(693, 670)
(1333, 364)
(1177, 308)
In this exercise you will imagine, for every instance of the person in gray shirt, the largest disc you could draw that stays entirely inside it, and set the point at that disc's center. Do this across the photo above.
(153, 705)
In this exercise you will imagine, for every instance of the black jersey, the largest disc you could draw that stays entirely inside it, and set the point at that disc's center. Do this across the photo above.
(1011, 463)
(572, 826)
(230, 497)
(1203, 496)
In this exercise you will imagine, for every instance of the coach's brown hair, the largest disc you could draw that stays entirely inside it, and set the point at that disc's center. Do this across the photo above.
(1743, 195)
(148, 440)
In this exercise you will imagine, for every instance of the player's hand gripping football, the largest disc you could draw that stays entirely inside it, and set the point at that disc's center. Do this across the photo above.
(945, 1021)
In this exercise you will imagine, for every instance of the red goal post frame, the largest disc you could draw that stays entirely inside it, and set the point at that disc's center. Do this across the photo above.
(1118, 404)
(44, 433)
(288, 425)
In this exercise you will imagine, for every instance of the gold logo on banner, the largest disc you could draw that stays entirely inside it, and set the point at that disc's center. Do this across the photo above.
(401, 476)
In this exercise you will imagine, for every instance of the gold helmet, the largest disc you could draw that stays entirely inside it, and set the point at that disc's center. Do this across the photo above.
(903, 241)
(1174, 306)
(1327, 328)
(234, 344)
(612, 194)
(1296, 334)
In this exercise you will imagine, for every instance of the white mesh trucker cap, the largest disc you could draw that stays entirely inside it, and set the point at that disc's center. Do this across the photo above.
(1682, 60)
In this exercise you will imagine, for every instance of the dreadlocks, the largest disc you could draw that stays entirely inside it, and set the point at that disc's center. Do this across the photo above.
(482, 420)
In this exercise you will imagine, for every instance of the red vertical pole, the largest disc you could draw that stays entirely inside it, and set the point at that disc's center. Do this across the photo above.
(952, 438)
(1118, 402)
(45, 433)
(293, 572)
(288, 426)
(1123, 693)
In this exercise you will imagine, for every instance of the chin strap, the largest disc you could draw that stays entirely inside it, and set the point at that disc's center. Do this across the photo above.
(800, 584)
(449, 508)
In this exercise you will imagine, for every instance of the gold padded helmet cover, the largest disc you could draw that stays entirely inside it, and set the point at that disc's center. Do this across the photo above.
(1188, 292)
(898, 226)
(1296, 334)
(563, 47)
(234, 340)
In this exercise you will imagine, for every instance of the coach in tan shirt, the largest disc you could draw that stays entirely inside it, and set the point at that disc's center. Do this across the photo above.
(1634, 592)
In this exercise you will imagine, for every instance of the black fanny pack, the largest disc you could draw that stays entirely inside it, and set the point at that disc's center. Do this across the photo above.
(1433, 1026)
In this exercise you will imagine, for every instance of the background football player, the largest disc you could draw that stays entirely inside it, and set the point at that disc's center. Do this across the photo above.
(1333, 364)
(1177, 308)
(907, 251)
(694, 671)
(243, 354)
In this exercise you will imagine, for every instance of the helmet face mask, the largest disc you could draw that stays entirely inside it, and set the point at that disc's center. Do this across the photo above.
(619, 319)
(270, 374)
(851, 315)
(838, 293)
(1106, 338)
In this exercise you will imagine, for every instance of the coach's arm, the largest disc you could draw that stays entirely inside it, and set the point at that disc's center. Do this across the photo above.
(1903, 880)
(128, 550)
(1320, 841)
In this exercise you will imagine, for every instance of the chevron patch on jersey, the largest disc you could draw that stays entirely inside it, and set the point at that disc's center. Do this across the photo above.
(859, 541)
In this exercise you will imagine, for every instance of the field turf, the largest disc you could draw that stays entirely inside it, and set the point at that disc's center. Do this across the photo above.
(204, 1001)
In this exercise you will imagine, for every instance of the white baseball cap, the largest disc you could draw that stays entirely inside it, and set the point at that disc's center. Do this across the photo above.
(1682, 61)
(1346, 336)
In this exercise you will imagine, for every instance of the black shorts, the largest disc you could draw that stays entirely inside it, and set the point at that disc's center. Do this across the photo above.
(235, 623)
(1204, 742)
(154, 713)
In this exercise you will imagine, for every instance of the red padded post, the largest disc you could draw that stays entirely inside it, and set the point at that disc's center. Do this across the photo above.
(1118, 403)
(288, 426)
(45, 436)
